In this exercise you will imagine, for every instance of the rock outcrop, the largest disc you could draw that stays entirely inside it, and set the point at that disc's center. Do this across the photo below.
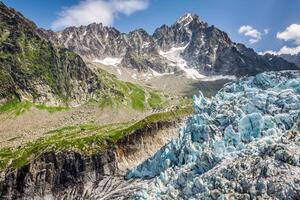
(58, 175)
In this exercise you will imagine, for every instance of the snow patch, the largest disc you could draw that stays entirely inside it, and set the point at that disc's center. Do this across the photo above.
(109, 61)
(187, 19)
(146, 45)
(157, 74)
(218, 77)
(68, 39)
(134, 76)
(119, 71)
(174, 55)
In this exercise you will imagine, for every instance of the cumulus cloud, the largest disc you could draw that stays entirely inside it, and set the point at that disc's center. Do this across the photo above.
(89, 11)
(291, 33)
(254, 34)
(284, 50)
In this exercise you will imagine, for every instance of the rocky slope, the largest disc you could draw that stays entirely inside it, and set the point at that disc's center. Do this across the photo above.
(32, 68)
(241, 144)
(189, 45)
(107, 45)
(292, 58)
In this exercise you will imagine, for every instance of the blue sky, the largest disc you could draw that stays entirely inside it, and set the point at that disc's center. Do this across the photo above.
(261, 20)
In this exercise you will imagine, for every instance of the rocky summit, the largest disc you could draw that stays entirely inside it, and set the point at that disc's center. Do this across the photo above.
(189, 45)
(241, 144)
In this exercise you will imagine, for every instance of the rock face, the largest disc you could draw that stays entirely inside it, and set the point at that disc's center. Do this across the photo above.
(96, 42)
(241, 144)
(188, 44)
(292, 58)
(31, 68)
(55, 175)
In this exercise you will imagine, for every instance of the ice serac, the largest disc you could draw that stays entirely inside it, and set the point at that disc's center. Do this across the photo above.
(241, 144)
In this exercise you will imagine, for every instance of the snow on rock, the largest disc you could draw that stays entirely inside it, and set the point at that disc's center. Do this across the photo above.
(186, 19)
(134, 76)
(109, 61)
(174, 55)
(119, 71)
(157, 74)
(145, 44)
(236, 145)
(70, 37)
(218, 77)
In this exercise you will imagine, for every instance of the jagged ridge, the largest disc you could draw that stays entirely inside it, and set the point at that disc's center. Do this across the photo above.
(205, 48)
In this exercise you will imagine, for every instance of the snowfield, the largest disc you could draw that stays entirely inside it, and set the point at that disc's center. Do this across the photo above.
(109, 61)
(174, 56)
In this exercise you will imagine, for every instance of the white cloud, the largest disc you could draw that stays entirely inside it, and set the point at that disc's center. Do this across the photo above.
(99, 11)
(291, 33)
(284, 50)
(251, 32)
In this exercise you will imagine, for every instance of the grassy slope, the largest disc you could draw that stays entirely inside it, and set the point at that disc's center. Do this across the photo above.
(17, 107)
(118, 93)
(26, 59)
(132, 95)
(87, 139)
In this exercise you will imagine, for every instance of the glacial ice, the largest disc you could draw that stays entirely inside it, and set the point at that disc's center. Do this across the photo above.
(243, 120)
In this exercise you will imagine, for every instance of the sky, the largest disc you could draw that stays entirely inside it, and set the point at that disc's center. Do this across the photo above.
(264, 25)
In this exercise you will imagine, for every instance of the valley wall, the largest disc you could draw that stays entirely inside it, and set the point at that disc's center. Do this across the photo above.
(72, 175)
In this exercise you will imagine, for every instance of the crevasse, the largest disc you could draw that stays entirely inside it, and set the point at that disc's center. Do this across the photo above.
(242, 117)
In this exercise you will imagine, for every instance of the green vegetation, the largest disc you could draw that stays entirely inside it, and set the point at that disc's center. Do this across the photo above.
(26, 60)
(51, 109)
(33, 65)
(155, 100)
(15, 106)
(87, 139)
(119, 93)
(137, 96)
(129, 94)
(18, 107)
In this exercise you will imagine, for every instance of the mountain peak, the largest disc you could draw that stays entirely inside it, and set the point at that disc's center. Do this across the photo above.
(187, 19)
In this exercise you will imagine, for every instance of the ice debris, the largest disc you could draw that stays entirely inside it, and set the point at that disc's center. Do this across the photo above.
(231, 146)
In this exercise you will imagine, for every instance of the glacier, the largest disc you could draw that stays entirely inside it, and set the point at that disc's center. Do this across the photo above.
(240, 144)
